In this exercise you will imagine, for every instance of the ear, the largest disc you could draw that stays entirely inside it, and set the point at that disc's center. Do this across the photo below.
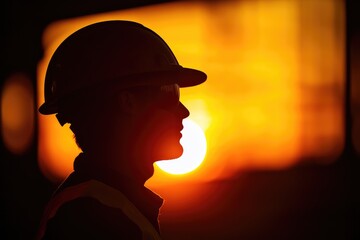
(128, 102)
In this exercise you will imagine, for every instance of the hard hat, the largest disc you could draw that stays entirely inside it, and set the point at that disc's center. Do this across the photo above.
(121, 53)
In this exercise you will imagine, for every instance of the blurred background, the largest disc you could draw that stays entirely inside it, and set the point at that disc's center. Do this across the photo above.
(280, 112)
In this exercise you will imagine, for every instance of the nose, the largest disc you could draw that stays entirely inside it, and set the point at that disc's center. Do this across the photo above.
(183, 111)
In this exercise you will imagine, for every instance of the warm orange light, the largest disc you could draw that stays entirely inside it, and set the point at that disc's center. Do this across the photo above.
(17, 113)
(194, 144)
(275, 81)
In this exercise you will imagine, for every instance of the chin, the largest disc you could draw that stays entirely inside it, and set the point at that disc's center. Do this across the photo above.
(169, 152)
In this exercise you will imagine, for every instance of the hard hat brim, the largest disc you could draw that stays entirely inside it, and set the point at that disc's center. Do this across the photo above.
(184, 77)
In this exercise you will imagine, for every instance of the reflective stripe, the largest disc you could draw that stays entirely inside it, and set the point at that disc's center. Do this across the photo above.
(108, 196)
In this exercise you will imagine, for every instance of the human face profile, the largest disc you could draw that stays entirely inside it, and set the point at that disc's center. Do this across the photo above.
(161, 121)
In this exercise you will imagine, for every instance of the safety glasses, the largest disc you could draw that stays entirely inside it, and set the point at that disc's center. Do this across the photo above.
(166, 96)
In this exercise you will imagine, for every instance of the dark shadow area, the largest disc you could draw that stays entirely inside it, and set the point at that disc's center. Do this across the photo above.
(305, 202)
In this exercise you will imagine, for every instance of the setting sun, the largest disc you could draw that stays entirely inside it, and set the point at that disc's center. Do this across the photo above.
(194, 144)
(269, 75)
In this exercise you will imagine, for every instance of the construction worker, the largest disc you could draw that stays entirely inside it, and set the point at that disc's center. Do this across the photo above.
(117, 84)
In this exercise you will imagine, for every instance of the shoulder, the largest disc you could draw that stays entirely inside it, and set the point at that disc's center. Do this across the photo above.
(87, 218)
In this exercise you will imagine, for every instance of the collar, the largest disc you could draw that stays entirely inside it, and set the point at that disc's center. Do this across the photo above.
(88, 167)
(144, 199)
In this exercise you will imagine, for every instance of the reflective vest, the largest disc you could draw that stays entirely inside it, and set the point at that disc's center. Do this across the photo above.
(108, 196)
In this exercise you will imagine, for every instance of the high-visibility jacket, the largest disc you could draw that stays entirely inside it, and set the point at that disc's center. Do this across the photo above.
(105, 194)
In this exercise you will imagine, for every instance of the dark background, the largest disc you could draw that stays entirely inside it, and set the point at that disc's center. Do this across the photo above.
(305, 202)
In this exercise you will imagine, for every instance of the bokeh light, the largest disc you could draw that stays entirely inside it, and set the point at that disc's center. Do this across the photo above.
(17, 113)
(274, 95)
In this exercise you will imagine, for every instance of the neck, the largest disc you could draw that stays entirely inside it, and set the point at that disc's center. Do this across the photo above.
(121, 164)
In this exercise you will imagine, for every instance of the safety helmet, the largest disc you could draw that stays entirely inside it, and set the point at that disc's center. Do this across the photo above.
(109, 53)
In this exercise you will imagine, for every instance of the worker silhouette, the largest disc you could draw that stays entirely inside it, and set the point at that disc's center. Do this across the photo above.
(117, 84)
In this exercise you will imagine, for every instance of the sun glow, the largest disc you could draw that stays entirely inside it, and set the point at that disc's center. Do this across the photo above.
(194, 144)
(275, 78)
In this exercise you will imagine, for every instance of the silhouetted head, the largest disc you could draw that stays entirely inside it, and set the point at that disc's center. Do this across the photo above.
(117, 84)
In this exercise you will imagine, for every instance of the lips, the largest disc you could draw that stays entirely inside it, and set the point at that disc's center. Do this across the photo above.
(179, 131)
(174, 130)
